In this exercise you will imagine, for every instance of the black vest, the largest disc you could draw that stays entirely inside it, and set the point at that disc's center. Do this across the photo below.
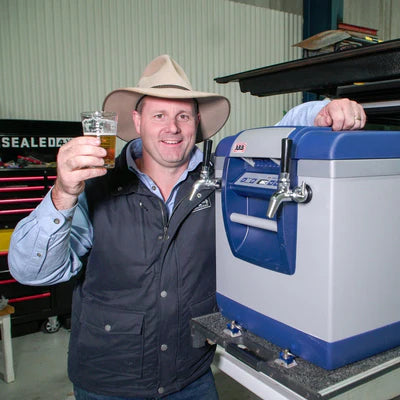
(146, 277)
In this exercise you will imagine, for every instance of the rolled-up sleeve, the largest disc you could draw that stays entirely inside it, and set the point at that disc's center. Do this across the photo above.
(304, 114)
(46, 247)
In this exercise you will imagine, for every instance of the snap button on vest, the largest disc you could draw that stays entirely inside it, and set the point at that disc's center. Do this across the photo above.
(164, 347)
(107, 328)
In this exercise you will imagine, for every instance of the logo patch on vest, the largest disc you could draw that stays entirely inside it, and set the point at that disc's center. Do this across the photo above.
(203, 205)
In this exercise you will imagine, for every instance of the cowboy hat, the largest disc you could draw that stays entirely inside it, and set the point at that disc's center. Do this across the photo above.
(165, 78)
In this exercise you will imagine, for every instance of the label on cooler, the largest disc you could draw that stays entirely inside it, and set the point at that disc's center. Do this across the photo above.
(253, 179)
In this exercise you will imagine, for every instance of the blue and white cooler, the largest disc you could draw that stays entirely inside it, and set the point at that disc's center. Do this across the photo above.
(321, 275)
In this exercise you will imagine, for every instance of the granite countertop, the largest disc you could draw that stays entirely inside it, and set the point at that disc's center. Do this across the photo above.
(307, 379)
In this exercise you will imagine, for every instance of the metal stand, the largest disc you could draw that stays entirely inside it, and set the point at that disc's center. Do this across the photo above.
(5, 328)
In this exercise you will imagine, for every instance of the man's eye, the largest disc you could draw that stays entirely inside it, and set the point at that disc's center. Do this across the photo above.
(184, 117)
(158, 116)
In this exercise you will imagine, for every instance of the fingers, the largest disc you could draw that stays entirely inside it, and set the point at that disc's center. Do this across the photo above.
(81, 152)
(323, 118)
(342, 114)
(360, 117)
(78, 160)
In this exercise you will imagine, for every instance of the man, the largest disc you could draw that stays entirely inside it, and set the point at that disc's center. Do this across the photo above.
(149, 252)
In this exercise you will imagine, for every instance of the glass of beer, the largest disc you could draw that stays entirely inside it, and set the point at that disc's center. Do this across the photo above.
(104, 125)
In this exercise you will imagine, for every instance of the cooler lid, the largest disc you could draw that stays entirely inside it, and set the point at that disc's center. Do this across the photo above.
(313, 143)
(325, 144)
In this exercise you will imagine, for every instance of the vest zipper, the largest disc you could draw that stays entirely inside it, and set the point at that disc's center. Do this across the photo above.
(164, 219)
(165, 236)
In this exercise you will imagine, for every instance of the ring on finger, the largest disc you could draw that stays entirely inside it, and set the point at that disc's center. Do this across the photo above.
(357, 118)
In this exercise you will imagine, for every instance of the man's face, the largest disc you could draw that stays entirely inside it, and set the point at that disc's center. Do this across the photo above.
(168, 130)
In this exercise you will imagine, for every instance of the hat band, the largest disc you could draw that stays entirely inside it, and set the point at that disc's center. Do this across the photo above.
(196, 103)
(170, 87)
(164, 87)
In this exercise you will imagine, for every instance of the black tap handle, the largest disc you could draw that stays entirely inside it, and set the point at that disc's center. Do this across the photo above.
(286, 155)
(207, 152)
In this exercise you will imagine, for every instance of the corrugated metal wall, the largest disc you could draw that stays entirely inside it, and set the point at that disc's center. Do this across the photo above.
(382, 15)
(59, 57)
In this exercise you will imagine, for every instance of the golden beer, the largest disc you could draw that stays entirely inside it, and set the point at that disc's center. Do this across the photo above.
(102, 124)
(108, 143)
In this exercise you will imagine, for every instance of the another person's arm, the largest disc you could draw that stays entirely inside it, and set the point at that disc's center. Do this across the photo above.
(340, 114)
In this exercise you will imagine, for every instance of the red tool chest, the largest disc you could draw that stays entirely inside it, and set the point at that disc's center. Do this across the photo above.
(28, 152)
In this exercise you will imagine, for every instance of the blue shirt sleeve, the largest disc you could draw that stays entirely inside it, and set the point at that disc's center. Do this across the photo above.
(46, 246)
(303, 114)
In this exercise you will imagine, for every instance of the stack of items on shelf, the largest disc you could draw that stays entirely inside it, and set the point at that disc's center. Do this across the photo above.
(346, 37)
(25, 162)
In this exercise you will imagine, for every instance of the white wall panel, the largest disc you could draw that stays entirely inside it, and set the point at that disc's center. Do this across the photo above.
(59, 57)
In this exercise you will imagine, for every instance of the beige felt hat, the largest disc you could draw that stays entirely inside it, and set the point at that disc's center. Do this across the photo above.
(165, 78)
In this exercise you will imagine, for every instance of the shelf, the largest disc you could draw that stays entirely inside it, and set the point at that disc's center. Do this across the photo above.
(325, 73)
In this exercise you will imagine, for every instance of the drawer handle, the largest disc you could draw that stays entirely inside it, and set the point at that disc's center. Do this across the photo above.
(20, 188)
(7, 281)
(25, 298)
(23, 200)
(20, 211)
(26, 178)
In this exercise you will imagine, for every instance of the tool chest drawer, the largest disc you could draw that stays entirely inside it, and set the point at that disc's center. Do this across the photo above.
(20, 192)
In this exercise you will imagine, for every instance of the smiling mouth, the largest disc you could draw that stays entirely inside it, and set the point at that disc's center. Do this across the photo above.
(171, 141)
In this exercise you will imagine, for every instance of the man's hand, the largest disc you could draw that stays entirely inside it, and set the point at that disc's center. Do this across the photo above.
(79, 159)
(342, 114)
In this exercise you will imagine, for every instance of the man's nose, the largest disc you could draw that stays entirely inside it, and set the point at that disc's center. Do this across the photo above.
(173, 125)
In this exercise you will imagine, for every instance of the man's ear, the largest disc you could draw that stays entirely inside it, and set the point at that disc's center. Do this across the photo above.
(136, 117)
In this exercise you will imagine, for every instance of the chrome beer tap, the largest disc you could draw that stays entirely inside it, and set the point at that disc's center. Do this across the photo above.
(205, 180)
(300, 194)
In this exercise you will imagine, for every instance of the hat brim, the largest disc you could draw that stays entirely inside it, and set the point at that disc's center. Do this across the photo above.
(214, 109)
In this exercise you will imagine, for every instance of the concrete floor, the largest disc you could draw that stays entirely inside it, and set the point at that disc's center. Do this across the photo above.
(40, 362)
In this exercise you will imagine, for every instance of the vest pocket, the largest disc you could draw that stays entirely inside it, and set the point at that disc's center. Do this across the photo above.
(187, 351)
(111, 340)
(206, 306)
